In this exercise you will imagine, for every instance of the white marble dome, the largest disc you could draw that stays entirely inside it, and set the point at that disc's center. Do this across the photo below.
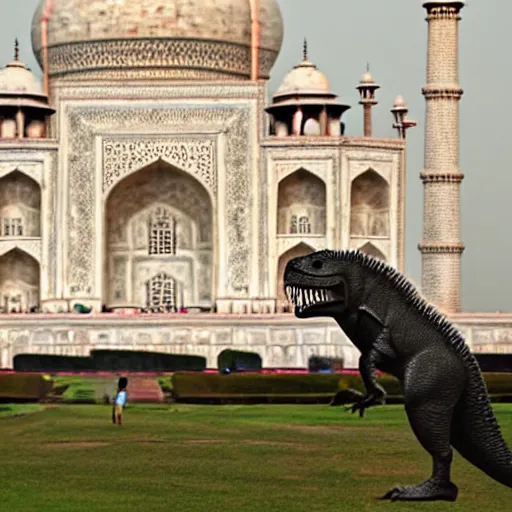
(191, 38)
(17, 80)
(304, 79)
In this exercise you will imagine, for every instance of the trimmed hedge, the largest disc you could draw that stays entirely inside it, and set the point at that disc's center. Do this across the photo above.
(17, 387)
(135, 361)
(494, 362)
(50, 363)
(319, 364)
(254, 388)
(110, 361)
(236, 361)
(300, 388)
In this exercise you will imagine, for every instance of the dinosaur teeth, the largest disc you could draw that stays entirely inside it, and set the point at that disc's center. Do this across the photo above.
(301, 297)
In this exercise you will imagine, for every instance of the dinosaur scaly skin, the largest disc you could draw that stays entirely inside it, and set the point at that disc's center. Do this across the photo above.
(397, 332)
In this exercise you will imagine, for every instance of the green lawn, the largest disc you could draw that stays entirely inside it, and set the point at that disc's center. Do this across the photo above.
(188, 458)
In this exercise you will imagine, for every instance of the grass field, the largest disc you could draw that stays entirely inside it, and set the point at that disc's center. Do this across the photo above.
(234, 458)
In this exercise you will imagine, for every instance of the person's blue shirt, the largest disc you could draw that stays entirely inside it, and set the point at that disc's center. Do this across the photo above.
(121, 398)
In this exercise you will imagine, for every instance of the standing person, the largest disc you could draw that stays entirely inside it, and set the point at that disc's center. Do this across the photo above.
(119, 401)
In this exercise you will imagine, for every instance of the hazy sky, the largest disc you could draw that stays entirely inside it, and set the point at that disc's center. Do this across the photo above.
(392, 36)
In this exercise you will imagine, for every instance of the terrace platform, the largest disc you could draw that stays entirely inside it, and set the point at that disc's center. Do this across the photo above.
(282, 340)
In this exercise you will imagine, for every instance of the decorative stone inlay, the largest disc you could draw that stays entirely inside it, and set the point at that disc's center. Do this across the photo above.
(31, 246)
(122, 156)
(236, 90)
(153, 74)
(440, 248)
(382, 162)
(83, 123)
(33, 170)
(52, 225)
(189, 54)
(444, 12)
(441, 178)
(286, 167)
(436, 93)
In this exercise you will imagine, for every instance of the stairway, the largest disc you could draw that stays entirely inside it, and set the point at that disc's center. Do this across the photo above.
(142, 389)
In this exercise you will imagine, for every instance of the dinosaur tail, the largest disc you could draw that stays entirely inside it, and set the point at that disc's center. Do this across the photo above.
(476, 434)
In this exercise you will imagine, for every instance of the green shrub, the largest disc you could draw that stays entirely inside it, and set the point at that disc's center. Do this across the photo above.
(235, 361)
(142, 361)
(22, 387)
(50, 363)
(165, 382)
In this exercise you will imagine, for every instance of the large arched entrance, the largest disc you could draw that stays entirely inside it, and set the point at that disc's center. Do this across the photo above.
(301, 208)
(19, 282)
(369, 206)
(159, 241)
(20, 206)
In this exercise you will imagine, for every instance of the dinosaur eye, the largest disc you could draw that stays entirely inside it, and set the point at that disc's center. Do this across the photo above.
(317, 264)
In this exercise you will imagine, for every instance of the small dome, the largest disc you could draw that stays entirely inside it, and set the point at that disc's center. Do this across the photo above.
(17, 80)
(304, 79)
(399, 102)
(182, 38)
(305, 86)
(367, 78)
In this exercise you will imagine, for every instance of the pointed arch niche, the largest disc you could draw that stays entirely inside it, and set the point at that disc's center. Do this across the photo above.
(369, 206)
(20, 206)
(371, 250)
(301, 249)
(301, 205)
(19, 282)
(159, 241)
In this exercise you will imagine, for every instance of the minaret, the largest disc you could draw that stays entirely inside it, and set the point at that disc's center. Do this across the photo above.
(441, 248)
(367, 88)
(402, 122)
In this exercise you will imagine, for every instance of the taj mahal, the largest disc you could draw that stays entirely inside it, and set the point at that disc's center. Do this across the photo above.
(151, 179)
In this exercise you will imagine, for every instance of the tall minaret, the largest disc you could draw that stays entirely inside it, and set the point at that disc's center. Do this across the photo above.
(441, 248)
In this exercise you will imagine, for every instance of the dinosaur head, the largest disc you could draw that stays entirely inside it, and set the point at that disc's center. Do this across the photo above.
(317, 284)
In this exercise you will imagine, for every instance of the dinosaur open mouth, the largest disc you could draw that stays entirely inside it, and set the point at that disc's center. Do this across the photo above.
(309, 299)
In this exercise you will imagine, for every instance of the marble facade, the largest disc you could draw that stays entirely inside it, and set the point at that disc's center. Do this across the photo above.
(281, 340)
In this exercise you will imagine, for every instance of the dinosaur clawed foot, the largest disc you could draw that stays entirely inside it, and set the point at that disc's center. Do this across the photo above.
(375, 398)
(429, 490)
(345, 396)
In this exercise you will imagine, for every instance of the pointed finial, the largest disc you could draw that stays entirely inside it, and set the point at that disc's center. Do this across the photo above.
(16, 50)
(367, 67)
(305, 49)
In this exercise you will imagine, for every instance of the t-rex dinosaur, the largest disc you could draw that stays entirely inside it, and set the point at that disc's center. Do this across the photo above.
(399, 333)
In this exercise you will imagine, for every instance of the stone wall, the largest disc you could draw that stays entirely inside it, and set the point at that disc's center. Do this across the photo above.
(281, 340)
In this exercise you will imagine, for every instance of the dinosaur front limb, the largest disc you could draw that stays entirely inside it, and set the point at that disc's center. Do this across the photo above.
(375, 394)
